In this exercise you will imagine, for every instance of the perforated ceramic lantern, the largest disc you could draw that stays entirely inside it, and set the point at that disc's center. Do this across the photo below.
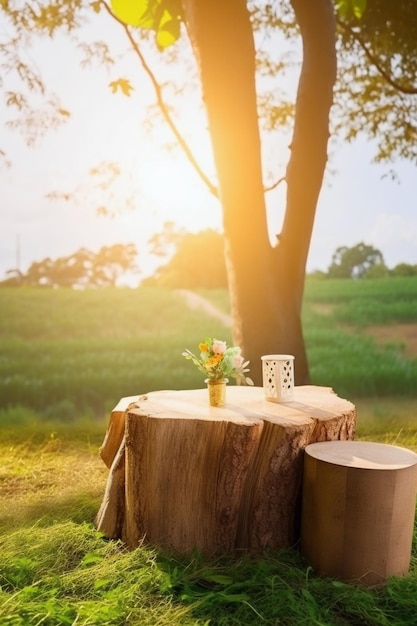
(278, 377)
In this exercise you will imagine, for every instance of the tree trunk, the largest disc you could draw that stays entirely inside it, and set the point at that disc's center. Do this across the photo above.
(218, 480)
(305, 169)
(266, 284)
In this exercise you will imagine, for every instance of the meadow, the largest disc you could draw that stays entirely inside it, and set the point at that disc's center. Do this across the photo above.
(66, 357)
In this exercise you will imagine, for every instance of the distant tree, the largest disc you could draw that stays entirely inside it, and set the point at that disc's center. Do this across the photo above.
(354, 262)
(379, 270)
(165, 242)
(81, 269)
(198, 261)
(14, 278)
(111, 262)
(404, 269)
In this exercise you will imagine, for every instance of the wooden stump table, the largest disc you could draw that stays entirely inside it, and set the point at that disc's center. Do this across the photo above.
(185, 475)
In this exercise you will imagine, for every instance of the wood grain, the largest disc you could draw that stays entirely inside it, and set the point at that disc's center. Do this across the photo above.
(218, 479)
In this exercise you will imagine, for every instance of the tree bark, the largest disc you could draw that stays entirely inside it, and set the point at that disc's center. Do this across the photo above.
(265, 283)
(220, 480)
(305, 169)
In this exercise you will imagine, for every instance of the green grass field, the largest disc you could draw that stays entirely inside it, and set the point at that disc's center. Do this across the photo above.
(67, 357)
(68, 353)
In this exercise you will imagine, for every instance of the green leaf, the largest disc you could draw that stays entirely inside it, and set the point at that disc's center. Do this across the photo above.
(234, 597)
(101, 582)
(168, 34)
(220, 579)
(162, 16)
(342, 8)
(91, 559)
(130, 12)
(346, 8)
(30, 591)
(358, 7)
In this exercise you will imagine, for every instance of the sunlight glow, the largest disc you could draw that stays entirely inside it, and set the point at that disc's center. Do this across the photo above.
(175, 193)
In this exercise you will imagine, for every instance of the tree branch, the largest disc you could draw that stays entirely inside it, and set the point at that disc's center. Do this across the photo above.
(162, 106)
(275, 184)
(373, 59)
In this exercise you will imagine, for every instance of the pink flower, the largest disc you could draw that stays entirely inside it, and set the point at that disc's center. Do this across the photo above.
(238, 361)
(219, 347)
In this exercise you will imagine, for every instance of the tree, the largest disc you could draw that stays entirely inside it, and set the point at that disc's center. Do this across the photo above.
(379, 270)
(404, 269)
(266, 283)
(359, 261)
(198, 261)
(81, 269)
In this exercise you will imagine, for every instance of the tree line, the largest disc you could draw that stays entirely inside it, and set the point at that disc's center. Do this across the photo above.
(190, 261)
(82, 269)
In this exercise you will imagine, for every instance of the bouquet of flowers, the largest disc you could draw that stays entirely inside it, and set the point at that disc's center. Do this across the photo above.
(217, 361)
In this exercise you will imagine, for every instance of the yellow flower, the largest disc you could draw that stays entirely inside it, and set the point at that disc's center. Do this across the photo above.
(203, 347)
(214, 360)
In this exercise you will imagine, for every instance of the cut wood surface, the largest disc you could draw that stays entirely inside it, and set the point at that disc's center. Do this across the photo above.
(186, 475)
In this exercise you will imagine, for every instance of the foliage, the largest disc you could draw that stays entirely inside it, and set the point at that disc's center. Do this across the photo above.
(404, 269)
(217, 361)
(161, 16)
(355, 262)
(346, 8)
(378, 270)
(197, 260)
(81, 269)
(377, 93)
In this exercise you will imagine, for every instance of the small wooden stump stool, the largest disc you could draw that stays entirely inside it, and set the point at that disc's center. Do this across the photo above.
(358, 509)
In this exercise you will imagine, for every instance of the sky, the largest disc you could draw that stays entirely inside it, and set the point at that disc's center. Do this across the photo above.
(358, 202)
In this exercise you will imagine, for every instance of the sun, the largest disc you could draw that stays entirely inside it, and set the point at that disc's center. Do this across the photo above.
(177, 194)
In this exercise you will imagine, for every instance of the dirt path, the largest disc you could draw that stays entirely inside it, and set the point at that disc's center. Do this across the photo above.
(194, 301)
(404, 335)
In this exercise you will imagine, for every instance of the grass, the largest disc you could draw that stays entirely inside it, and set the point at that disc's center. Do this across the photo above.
(55, 568)
(336, 315)
(67, 357)
(66, 353)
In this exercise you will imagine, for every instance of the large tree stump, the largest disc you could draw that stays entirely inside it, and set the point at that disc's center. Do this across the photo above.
(185, 475)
